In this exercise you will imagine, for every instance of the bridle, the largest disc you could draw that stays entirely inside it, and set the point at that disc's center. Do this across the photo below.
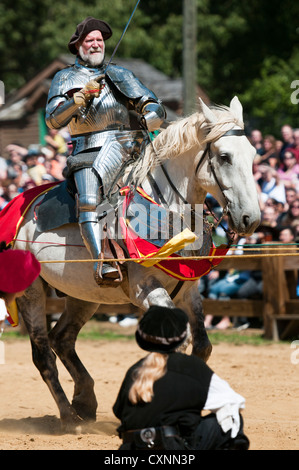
(207, 153)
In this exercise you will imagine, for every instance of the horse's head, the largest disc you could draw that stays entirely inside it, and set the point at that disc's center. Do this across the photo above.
(225, 168)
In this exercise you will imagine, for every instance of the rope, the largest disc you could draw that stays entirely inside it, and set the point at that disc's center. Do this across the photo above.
(281, 247)
(256, 247)
(172, 259)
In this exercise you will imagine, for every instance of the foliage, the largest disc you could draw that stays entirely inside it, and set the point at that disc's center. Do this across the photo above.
(244, 48)
(270, 94)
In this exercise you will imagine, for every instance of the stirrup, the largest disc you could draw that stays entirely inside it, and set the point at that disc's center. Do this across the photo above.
(106, 274)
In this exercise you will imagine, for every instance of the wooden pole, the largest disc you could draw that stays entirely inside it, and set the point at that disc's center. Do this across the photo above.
(190, 56)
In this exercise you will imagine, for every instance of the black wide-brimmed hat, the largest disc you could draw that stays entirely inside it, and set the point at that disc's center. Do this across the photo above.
(85, 27)
(162, 329)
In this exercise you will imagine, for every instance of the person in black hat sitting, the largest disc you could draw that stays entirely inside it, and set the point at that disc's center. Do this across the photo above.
(162, 396)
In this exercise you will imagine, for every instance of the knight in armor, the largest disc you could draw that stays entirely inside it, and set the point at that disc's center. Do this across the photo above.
(97, 103)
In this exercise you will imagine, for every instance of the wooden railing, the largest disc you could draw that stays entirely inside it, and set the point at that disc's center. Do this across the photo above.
(279, 307)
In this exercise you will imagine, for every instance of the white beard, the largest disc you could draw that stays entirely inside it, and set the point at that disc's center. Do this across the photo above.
(91, 58)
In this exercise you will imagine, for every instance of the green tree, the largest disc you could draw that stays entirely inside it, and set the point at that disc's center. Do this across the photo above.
(244, 48)
(269, 96)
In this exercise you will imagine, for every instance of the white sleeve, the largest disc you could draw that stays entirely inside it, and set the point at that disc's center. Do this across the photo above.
(226, 403)
(3, 310)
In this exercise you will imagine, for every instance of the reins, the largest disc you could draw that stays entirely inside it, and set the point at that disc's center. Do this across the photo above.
(207, 152)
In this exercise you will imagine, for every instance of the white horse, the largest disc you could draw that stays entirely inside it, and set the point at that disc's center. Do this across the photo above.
(206, 152)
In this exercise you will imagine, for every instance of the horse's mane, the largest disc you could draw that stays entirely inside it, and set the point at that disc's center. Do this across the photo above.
(182, 135)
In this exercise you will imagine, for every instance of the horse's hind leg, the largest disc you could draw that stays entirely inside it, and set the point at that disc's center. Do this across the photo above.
(63, 338)
(32, 308)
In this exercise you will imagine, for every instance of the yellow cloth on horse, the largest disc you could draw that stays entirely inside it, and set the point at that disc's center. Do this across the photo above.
(176, 243)
(13, 314)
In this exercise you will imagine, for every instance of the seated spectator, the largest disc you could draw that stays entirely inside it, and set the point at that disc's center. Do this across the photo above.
(295, 146)
(270, 185)
(291, 196)
(289, 171)
(16, 152)
(278, 147)
(267, 230)
(56, 141)
(287, 138)
(18, 175)
(279, 207)
(54, 168)
(35, 170)
(287, 235)
(270, 156)
(256, 139)
(291, 217)
(10, 191)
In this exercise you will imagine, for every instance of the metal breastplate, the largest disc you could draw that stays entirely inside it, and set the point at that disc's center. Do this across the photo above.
(102, 113)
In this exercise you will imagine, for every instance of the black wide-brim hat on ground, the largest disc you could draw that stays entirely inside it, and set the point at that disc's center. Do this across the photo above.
(162, 329)
(85, 27)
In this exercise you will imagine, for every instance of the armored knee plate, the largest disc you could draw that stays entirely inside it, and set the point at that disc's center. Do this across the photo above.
(88, 194)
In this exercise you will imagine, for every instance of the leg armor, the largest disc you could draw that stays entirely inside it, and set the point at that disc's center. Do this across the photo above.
(89, 197)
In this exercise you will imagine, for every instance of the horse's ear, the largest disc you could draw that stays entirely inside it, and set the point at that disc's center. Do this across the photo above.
(207, 112)
(236, 109)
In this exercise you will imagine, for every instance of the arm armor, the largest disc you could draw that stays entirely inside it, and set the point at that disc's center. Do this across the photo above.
(152, 111)
(60, 115)
(154, 115)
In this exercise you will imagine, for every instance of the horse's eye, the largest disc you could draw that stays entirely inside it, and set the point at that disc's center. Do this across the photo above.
(225, 157)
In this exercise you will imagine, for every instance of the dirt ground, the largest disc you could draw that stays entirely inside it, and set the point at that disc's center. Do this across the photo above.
(267, 376)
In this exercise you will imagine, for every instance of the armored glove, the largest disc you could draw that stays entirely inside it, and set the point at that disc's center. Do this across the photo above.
(91, 90)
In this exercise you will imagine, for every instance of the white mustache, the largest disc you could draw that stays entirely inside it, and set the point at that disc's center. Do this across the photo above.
(95, 49)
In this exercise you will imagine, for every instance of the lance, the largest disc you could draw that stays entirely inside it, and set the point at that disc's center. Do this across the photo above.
(122, 35)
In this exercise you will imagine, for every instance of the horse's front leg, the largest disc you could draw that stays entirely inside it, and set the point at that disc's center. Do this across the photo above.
(191, 302)
(63, 338)
(32, 308)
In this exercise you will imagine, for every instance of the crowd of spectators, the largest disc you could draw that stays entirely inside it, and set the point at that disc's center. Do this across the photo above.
(22, 168)
(275, 169)
(276, 173)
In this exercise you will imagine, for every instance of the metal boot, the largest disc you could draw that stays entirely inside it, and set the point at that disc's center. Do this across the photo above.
(88, 198)
(92, 237)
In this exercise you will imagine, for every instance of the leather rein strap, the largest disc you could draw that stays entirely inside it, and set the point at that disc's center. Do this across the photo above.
(237, 132)
(208, 152)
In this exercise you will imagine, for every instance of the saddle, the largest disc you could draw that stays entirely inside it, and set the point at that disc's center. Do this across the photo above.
(151, 245)
(58, 208)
